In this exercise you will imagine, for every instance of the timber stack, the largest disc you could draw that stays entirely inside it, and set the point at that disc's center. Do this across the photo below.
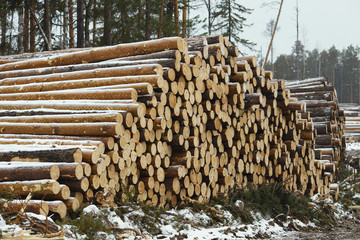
(352, 123)
(167, 120)
(328, 119)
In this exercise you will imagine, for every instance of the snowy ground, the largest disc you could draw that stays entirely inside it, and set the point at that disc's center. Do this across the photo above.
(186, 224)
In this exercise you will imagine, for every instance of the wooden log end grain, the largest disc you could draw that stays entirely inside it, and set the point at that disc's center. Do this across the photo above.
(58, 207)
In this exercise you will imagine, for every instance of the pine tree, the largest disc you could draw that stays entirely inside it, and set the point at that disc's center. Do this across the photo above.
(350, 74)
(299, 55)
(231, 21)
(313, 64)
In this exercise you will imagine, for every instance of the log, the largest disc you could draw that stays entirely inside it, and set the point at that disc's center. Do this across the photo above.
(34, 206)
(116, 94)
(36, 187)
(75, 129)
(101, 54)
(72, 204)
(118, 117)
(70, 154)
(22, 172)
(125, 81)
(108, 141)
(137, 109)
(147, 69)
(58, 207)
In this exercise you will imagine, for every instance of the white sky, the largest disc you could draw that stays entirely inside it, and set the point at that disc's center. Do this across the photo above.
(323, 23)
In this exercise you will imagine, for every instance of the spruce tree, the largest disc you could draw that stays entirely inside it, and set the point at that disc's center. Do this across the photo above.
(231, 21)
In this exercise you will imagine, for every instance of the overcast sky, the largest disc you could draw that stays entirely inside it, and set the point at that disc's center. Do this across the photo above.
(323, 23)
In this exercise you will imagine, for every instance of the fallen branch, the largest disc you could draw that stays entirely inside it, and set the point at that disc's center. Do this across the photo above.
(347, 179)
(22, 210)
(128, 229)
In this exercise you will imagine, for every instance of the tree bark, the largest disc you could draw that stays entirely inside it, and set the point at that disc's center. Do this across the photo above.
(32, 26)
(36, 187)
(94, 24)
(87, 22)
(24, 172)
(47, 29)
(65, 25)
(34, 206)
(21, 29)
(80, 23)
(101, 54)
(147, 19)
(26, 29)
(161, 19)
(41, 30)
(176, 17)
(3, 27)
(184, 18)
(107, 22)
(71, 24)
(82, 129)
(66, 154)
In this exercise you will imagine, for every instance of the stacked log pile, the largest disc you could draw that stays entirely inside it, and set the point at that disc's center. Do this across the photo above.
(352, 123)
(328, 119)
(166, 120)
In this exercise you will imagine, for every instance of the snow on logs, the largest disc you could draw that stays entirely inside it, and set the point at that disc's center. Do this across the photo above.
(166, 120)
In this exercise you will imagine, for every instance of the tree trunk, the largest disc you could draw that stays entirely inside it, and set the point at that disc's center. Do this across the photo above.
(21, 29)
(147, 20)
(65, 25)
(139, 20)
(71, 24)
(26, 29)
(107, 22)
(87, 23)
(11, 32)
(80, 23)
(3, 27)
(209, 16)
(32, 26)
(94, 24)
(41, 30)
(229, 19)
(184, 18)
(161, 18)
(176, 17)
(47, 29)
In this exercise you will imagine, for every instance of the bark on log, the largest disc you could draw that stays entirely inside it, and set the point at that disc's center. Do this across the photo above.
(101, 54)
(42, 155)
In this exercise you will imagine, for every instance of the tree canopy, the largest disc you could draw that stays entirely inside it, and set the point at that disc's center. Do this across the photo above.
(37, 25)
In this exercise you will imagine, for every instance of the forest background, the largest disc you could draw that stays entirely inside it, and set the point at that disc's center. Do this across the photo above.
(43, 25)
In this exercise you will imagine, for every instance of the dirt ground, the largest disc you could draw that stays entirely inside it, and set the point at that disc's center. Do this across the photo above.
(345, 230)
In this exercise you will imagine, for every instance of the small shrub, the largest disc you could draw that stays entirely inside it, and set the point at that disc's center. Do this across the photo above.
(89, 224)
(150, 221)
(271, 200)
(344, 171)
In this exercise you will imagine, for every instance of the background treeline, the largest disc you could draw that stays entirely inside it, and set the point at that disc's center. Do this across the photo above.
(37, 25)
(341, 67)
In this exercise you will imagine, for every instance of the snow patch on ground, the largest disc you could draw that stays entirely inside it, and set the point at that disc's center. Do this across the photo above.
(91, 209)
(352, 146)
(189, 224)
